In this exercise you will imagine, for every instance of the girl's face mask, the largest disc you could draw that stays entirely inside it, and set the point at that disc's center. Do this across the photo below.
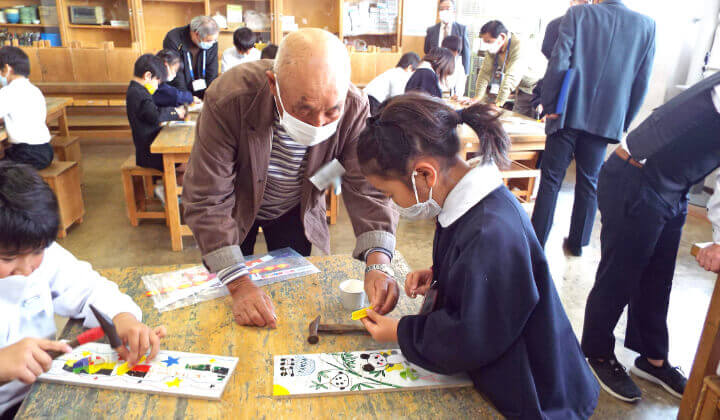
(419, 211)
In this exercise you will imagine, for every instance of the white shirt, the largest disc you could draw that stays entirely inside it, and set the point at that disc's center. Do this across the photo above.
(456, 82)
(470, 190)
(713, 204)
(388, 84)
(22, 107)
(61, 285)
(444, 27)
(231, 57)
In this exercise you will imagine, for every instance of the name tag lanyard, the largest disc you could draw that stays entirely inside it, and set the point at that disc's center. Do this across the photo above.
(502, 73)
(190, 66)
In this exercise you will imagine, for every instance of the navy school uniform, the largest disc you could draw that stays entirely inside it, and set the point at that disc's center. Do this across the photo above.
(169, 95)
(145, 118)
(499, 318)
(424, 80)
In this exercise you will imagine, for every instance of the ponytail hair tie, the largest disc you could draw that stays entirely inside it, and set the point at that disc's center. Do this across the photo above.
(459, 113)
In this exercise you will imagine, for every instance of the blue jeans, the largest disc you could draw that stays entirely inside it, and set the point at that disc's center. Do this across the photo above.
(640, 237)
(589, 152)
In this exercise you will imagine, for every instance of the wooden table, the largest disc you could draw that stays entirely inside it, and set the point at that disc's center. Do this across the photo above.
(707, 356)
(56, 110)
(208, 328)
(175, 143)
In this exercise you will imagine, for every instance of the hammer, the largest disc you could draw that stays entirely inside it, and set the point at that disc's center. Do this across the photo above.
(315, 328)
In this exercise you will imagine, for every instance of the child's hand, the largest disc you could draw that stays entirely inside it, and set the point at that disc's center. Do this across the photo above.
(138, 336)
(197, 100)
(181, 112)
(382, 328)
(27, 359)
(418, 282)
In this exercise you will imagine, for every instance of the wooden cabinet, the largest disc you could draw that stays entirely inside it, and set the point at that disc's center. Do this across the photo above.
(373, 23)
(45, 19)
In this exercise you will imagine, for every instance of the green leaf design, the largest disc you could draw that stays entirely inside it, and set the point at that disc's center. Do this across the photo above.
(319, 385)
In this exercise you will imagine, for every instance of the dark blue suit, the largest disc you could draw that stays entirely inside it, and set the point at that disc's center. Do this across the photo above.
(460, 31)
(612, 49)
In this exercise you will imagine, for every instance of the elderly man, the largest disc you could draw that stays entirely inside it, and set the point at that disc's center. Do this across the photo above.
(264, 131)
(197, 45)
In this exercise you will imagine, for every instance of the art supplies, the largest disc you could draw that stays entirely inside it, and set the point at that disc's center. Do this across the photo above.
(305, 375)
(190, 286)
(170, 373)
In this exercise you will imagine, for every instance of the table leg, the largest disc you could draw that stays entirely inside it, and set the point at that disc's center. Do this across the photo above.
(63, 123)
(706, 358)
(171, 201)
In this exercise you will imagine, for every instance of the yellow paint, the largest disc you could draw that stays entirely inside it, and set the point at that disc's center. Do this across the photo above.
(396, 366)
(174, 383)
(86, 353)
(122, 369)
(70, 362)
(212, 360)
(360, 313)
(280, 390)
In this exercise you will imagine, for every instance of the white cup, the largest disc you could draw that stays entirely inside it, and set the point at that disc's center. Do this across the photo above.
(352, 293)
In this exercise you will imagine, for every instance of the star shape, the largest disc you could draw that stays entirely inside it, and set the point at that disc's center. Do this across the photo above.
(174, 383)
(171, 361)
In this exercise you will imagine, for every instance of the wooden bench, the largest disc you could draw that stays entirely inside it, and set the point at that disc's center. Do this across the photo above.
(67, 148)
(708, 407)
(64, 179)
(138, 186)
(521, 180)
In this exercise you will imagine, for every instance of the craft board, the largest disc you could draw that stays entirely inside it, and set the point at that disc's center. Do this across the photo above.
(359, 372)
(173, 373)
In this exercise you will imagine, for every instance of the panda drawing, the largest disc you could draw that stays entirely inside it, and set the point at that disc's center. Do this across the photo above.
(340, 381)
(387, 361)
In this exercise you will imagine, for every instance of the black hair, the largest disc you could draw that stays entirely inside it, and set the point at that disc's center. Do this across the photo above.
(29, 217)
(170, 57)
(494, 28)
(452, 43)
(415, 124)
(244, 39)
(150, 63)
(15, 58)
(442, 61)
(443, 1)
(270, 51)
(409, 59)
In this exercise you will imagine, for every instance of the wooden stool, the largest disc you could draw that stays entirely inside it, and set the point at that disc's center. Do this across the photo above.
(66, 148)
(521, 180)
(64, 179)
(138, 187)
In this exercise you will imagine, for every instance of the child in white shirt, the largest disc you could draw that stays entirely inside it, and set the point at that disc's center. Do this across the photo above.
(391, 82)
(40, 279)
(22, 108)
(455, 83)
(243, 50)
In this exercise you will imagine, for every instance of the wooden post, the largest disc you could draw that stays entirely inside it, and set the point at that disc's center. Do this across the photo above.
(171, 201)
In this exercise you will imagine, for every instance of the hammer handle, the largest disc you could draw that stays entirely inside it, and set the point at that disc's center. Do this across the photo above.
(341, 329)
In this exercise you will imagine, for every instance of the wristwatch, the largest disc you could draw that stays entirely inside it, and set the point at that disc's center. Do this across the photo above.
(385, 268)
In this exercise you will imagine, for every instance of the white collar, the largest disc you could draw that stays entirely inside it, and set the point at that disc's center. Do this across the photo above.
(470, 190)
(425, 65)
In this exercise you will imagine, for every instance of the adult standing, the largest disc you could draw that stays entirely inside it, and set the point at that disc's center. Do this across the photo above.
(266, 128)
(642, 194)
(611, 50)
(197, 45)
(446, 27)
(510, 63)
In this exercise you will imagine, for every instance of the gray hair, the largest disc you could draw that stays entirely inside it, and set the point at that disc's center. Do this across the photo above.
(204, 26)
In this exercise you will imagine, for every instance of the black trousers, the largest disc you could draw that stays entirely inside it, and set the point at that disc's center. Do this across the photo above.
(589, 153)
(285, 231)
(39, 156)
(639, 243)
(9, 414)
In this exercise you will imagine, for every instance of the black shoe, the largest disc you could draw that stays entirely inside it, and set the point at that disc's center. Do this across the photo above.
(569, 250)
(614, 379)
(668, 377)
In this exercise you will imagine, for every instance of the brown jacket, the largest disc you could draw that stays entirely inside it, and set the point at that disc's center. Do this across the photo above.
(226, 175)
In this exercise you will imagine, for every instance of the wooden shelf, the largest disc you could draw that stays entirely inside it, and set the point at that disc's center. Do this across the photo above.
(372, 34)
(26, 25)
(119, 28)
(233, 30)
(176, 1)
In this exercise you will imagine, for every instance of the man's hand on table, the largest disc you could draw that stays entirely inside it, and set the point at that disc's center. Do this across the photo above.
(709, 258)
(382, 290)
(251, 306)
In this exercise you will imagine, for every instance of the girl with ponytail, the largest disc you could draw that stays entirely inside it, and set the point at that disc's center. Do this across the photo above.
(490, 306)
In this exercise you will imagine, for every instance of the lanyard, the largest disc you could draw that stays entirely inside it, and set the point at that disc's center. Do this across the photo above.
(190, 67)
(507, 50)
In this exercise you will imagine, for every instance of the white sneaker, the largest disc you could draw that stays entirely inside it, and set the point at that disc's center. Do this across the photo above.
(160, 193)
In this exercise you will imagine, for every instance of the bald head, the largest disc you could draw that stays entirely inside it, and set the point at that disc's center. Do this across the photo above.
(312, 68)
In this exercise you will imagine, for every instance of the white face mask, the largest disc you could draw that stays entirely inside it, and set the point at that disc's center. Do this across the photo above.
(3, 80)
(302, 132)
(419, 211)
(447, 16)
(495, 47)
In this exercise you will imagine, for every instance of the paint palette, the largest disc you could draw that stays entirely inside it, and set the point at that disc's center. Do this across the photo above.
(306, 375)
(175, 373)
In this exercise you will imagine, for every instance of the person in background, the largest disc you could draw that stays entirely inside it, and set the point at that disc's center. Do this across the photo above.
(509, 64)
(144, 116)
(642, 194)
(23, 110)
(391, 82)
(436, 68)
(243, 50)
(197, 45)
(166, 94)
(491, 308)
(269, 52)
(41, 280)
(446, 27)
(456, 82)
(600, 106)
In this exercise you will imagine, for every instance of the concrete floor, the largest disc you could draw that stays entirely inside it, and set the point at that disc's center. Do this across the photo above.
(106, 239)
